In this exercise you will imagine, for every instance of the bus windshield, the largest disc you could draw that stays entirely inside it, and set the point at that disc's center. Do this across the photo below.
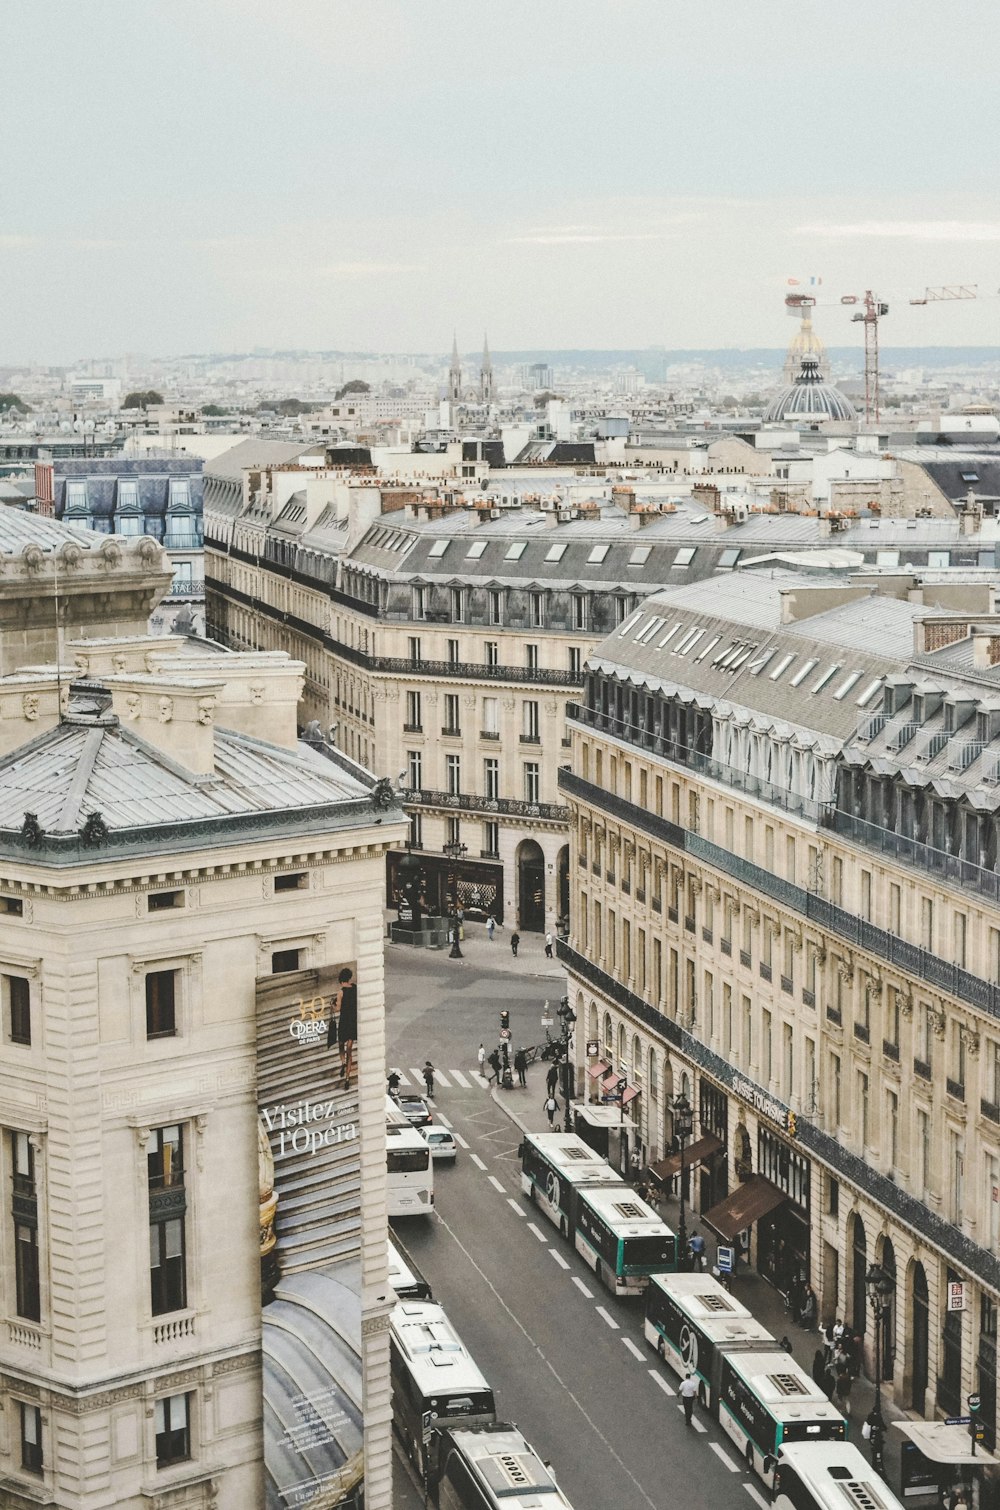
(648, 1252)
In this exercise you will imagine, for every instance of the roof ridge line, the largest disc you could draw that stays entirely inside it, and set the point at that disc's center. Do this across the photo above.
(69, 813)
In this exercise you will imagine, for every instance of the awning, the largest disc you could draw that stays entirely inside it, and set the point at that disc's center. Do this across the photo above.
(700, 1150)
(629, 1094)
(747, 1204)
(598, 1070)
(612, 1080)
(942, 1443)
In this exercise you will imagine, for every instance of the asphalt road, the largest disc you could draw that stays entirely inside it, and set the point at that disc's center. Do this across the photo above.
(566, 1359)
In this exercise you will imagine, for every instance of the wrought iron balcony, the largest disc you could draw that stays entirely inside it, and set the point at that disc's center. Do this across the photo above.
(508, 807)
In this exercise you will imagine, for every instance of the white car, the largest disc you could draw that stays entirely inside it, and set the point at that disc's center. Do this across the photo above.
(442, 1144)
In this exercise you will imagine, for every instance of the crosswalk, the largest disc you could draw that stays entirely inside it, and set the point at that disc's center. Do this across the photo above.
(413, 1079)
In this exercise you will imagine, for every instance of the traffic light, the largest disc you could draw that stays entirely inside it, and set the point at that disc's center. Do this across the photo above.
(790, 1125)
(504, 1019)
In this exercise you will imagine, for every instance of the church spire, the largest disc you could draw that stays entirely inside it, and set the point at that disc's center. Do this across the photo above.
(455, 373)
(486, 374)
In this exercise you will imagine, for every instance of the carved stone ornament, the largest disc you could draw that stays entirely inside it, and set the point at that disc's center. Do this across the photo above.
(970, 1037)
(845, 969)
(29, 706)
(936, 1018)
(905, 1005)
(31, 831)
(257, 695)
(94, 831)
(552, 708)
(133, 706)
(509, 704)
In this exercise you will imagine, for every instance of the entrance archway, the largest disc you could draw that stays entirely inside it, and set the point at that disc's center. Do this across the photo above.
(920, 1333)
(530, 887)
(859, 1268)
(887, 1258)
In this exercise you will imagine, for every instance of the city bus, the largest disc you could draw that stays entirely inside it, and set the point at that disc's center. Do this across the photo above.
(554, 1167)
(410, 1172)
(492, 1468)
(435, 1382)
(693, 1322)
(622, 1239)
(829, 1476)
(766, 1400)
(404, 1276)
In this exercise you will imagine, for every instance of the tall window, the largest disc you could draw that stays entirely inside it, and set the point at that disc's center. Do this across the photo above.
(530, 730)
(492, 653)
(161, 1003)
(457, 604)
(496, 606)
(531, 657)
(419, 602)
(532, 781)
(173, 1430)
(24, 1213)
(451, 723)
(31, 1437)
(414, 770)
(17, 1001)
(537, 610)
(491, 717)
(579, 611)
(413, 712)
(416, 830)
(167, 1213)
(454, 831)
(491, 838)
(414, 643)
(491, 779)
(453, 769)
(575, 661)
(892, 1128)
(453, 653)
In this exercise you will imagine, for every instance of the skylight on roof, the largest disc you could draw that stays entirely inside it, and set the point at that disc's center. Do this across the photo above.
(828, 674)
(689, 641)
(632, 620)
(650, 629)
(515, 550)
(708, 648)
(869, 692)
(476, 550)
(669, 635)
(758, 665)
(598, 553)
(684, 556)
(887, 558)
(846, 686)
(556, 552)
(729, 556)
(970, 476)
(640, 555)
(439, 547)
(783, 665)
(803, 672)
(744, 654)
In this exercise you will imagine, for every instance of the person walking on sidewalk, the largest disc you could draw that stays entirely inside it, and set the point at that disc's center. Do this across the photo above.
(428, 1073)
(494, 1063)
(552, 1079)
(688, 1391)
(491, 926)
(515, 940)
(548, 946)
(551, 1106)
(520, 1065)
(481, 1057)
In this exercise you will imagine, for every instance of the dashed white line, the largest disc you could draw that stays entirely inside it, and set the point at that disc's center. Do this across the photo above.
(635, 1351)
(417, 1075)
(477, 1161)
(724, 1458)
(606, 1316)
(440, 1074)
(700, 1426)
(459, 1139)
(444, 1120)
(582, 1287)
(757, 1497)
(559, 1258)
(542, 1237)
(459, 1079)
(516, 1206)
(658, 1379)
(497, 1185)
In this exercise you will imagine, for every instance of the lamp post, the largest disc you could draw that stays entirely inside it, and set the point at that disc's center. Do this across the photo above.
(454, 853)
(881, 1287)
(567, 1017)
(683, 1123)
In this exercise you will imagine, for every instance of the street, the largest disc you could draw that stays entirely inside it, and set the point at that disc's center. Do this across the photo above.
(566, 1359)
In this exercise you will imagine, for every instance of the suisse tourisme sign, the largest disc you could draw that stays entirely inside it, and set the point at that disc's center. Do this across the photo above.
(762, 1103)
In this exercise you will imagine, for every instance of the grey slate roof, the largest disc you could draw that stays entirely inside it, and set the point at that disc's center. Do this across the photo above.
(229, 465)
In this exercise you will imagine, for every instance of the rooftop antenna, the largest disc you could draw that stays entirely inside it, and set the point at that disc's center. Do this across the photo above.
(59, 701)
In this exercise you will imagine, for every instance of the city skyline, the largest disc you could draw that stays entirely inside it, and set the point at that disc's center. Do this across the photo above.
(588, 176)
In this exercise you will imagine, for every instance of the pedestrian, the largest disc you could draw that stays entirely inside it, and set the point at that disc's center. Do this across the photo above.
(481, 1056)
(491, 927)
(515, 940)
(394, 1079)
(552, 1079)
(842, 1389)
(494, 1063)
(548, 946)
(838, 1332)
(505, 1055)
(551, 1106)
(696, 1248)
(429, 1077)
(785, 1344)
(819, 1369)
(807, 1309)
(520, 1065)
(344, 1022)
(635, 1161)
(688, 1391)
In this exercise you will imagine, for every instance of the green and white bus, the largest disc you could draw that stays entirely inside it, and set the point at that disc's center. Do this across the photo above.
(693, 1322)
(622, 1239)
(766, 1400)
(555, 1167)
(829, 1476)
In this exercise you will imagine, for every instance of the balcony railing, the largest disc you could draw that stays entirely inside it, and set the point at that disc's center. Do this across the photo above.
(189, 591)
(922, 1068)
(546, 676)
(787, 985)
(765, 971)
(990, 1110)
(489, 734)
(956, 1089)
(510, 807)
(808, 997)
(890, 1049)
(862, 1033)
(925, 856)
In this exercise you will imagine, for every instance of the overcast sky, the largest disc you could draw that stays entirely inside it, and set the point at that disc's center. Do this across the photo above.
(197, 175)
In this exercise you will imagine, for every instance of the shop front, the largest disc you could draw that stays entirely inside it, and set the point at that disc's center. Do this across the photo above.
(783, 1234)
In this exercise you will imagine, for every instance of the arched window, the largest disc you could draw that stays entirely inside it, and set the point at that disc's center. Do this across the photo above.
(608, 1040)
(654, 1079)
(636, 1059)
(622, 1040)
(592, 1021)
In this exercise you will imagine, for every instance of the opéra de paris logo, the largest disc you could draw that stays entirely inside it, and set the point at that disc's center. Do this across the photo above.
(310, 1024)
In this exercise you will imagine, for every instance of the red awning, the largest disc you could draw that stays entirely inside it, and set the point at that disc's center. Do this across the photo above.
(611, 1082)
(595, 1071)
(629, 1094)
(747, 1204)
(704, 1148)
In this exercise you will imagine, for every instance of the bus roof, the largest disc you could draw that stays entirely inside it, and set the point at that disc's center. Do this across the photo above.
(436, 1354)
(813, 1461)
(624, 1212)
(701, 1297)
(576, 1161)
(783, 1386)
(404, 1135)
(404, 1276)
(393, 1115)
(508, 1467)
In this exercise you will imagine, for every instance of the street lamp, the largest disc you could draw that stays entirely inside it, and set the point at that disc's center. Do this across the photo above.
(454, 853)
(683, 1124)
(881, 1287)
(567, 1017)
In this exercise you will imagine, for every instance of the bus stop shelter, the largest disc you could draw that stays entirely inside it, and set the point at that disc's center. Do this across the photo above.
(939, 1456)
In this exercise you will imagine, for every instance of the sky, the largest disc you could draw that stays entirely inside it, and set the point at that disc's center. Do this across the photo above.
(220, 175)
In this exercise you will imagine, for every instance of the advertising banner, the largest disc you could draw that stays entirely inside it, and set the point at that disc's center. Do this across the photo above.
(310, 1238)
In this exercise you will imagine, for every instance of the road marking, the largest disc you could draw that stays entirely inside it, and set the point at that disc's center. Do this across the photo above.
(700, 1426)
(459, 1079)
(635, 1351)
(757, 1497)
(497, 1185)
(605, 1316)
(582, 1287)
(443, 1079)
(444, 1121)
(516, 1205)
(724, 1458)
(542, 1236)
(658, 1378)
(417, 1075)
(559, 1258)
(459, 1139)
(477, 1161)
(480, 1080)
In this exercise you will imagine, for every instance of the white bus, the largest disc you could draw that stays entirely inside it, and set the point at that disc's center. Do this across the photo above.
(404, 1276)
(492, 1468)
(435, 1382)
(622, 1239)
(829, 1476)
(766, 1400)
(554, 1166)
(693, 1322)
(410, 1177)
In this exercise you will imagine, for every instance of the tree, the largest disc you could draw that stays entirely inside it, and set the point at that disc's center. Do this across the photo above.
(142, 398)
(287, 406)
(212, 410)
(9, 401)
(356, 385)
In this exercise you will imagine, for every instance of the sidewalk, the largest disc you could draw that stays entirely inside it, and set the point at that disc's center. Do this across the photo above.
(478, 951)
(765, 1303)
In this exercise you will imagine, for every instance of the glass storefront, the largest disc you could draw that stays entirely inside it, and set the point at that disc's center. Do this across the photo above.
(783, 1235)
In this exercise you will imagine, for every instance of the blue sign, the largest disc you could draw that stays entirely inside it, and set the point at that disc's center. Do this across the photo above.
(724, 1260)
(958, 1420)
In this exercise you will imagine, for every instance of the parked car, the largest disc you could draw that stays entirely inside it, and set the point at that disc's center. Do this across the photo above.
(442, 1144)
(414, 1108)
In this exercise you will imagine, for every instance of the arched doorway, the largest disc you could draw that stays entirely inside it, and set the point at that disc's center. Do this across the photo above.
(530, 887)
(920, 1333)
(887, 1259)
(562, 890)
(859, 1268)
